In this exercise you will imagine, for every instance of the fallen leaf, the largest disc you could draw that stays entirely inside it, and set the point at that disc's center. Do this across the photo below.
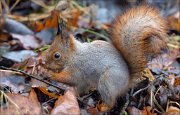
(1, 22)
(134, 111)
(15, 82)
(50, 22)
(103, 107)
(19, 56)
(47, 35)
(173, 111)
(67, 104)
(174, 21)
(73, 20)
(165, 60)
(4, 48)
(13, 26)
(147, 111)
(177, 81)
(33, 97)
(28, 41)
(149, 75)
(18, 104)
(5, 37)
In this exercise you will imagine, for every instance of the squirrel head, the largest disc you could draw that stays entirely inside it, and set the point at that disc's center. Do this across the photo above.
(57, 56)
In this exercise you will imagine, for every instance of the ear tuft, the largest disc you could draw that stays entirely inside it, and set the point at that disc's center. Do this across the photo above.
(62, 29)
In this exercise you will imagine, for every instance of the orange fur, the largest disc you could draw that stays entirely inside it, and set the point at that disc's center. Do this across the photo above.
(62, 76)
(138, 34)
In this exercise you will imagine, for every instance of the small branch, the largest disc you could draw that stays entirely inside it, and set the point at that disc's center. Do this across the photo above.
(157, 104)
(17, 1)
(137, 92)
(31, 76)
(1, 8)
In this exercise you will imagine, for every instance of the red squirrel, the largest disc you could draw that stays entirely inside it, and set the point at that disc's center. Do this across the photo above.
(111, 67)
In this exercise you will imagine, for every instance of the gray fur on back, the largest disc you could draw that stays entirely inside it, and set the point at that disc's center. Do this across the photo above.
(100, 66)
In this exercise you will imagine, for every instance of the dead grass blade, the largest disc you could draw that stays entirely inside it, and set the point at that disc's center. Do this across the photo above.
(40, 3)
(5, 5)
(13, 6)
(0, 7)
(33, 17)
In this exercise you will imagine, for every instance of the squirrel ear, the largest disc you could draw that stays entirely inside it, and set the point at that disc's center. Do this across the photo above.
(63, 29)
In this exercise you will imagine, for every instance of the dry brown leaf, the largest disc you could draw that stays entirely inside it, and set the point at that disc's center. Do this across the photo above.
(146, 111)
(66, 104)
(33, 97)
(50, 22)
(149, 75)
(74, 18)
(177, 81)
(134, 111)
(103, 107)
(174, 21)
(1, 22)
(5, 37)
(173, 111)
(18, 104)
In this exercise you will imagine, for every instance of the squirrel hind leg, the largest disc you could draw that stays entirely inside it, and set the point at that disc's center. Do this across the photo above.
(112, 84)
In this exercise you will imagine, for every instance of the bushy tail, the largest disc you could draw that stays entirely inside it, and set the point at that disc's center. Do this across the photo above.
(139, 34)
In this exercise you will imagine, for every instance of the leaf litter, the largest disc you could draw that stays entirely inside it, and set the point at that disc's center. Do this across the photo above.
(157, 93)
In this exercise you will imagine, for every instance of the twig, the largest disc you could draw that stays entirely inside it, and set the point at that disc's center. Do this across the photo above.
(1, 8)
(40, 3)
(173, 46)
(4, 4)
(28, 18)
(172, 102)
(86, 96)
(157, 104)
(78, 6)
(17, 1)
(22, 72)
(44, 103)
(137, 92)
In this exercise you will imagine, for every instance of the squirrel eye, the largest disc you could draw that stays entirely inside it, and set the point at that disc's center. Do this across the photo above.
(57, 55)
